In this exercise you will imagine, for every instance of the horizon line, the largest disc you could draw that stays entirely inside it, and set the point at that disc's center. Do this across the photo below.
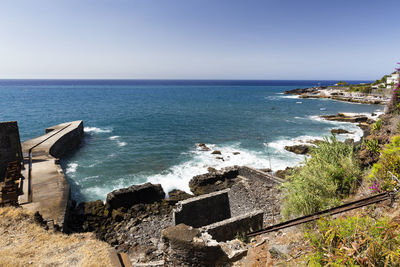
(180, 79)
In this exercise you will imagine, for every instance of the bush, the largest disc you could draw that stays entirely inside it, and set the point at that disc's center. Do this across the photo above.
(389, 162)
(376, 126)
(329, 175)
(394, 104)
(372, 145)
(355, 241)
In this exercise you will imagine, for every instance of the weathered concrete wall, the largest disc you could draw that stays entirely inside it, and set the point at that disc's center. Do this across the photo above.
(67, 142)
(203, 210)
(10, 145)
(251, 173)
(230, 228)
(186, 246)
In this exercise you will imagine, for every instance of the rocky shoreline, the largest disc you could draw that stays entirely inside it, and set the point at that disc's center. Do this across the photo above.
(362, 121)
(340, 94)
(132, 219)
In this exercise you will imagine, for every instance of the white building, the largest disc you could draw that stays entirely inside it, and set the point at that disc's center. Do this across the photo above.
(393, 79)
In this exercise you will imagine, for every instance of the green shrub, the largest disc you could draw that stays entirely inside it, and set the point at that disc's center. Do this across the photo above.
(372, 145)
(377, 126)
(389, 161)
(330, 174)
(355, 241)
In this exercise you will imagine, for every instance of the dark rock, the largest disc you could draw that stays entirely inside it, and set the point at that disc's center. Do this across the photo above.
(186, 246)
(213, 181)
(37, 217)
(117, 215)
(216, 152)
(93, 208)
(211, 169)
(267, 170)
(236, 153)
(339, 131)
(178, 195)
(316, 142)
(345, 118)
(203, 147)
(221, 158)
(299, 91)
(127, 197)
(298, 149)
(283, 173)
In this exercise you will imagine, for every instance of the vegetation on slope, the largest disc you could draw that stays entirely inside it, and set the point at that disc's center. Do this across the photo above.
(328, 176)
(387, 166)
(355, 241)
(24, 242)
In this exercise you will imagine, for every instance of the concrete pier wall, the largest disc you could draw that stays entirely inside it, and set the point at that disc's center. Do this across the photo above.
(50, 189)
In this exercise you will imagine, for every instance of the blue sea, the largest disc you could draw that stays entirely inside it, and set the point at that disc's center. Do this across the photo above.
(148, 130)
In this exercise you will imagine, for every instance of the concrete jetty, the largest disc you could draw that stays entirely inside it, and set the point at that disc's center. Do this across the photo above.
(46, 188)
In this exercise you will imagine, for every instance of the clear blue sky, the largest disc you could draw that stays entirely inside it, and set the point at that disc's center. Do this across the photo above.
(268, 39)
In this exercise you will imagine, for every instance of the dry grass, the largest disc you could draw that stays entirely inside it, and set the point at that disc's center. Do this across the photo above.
(25, 243)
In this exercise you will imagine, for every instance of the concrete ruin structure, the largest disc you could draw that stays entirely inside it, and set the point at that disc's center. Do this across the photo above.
(10, 163)
(211, 213)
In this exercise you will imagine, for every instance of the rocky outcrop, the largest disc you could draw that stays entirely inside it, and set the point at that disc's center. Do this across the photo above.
(130, 225)
(283, 173)
(216, 152)
(127, 197)
(339, 131)
(178, 195)
(346, 118)
(213, 181)
(203, 147)
(299, 91)
(187, 246)
(298, 149)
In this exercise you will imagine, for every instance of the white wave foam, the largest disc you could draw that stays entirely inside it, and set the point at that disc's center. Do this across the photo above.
(96, 130)
(122, 143)
(71, 167)
(300, 140)
(357, 132)
(116, 138)
(178, 176)
(290, 96)
(369, 115)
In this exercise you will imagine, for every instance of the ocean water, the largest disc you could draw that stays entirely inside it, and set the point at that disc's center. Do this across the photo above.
(142, 130)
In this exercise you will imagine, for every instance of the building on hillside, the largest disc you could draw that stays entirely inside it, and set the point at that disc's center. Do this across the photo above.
(392, 80)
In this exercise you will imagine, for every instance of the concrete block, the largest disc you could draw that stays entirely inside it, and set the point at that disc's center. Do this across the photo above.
(203, 210)
(230, 228)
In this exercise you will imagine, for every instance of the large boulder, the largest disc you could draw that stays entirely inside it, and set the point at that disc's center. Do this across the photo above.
(203, 147)
(178, 195)
(127, 197)
(339, 131)
(298, 149)
(213, 181)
